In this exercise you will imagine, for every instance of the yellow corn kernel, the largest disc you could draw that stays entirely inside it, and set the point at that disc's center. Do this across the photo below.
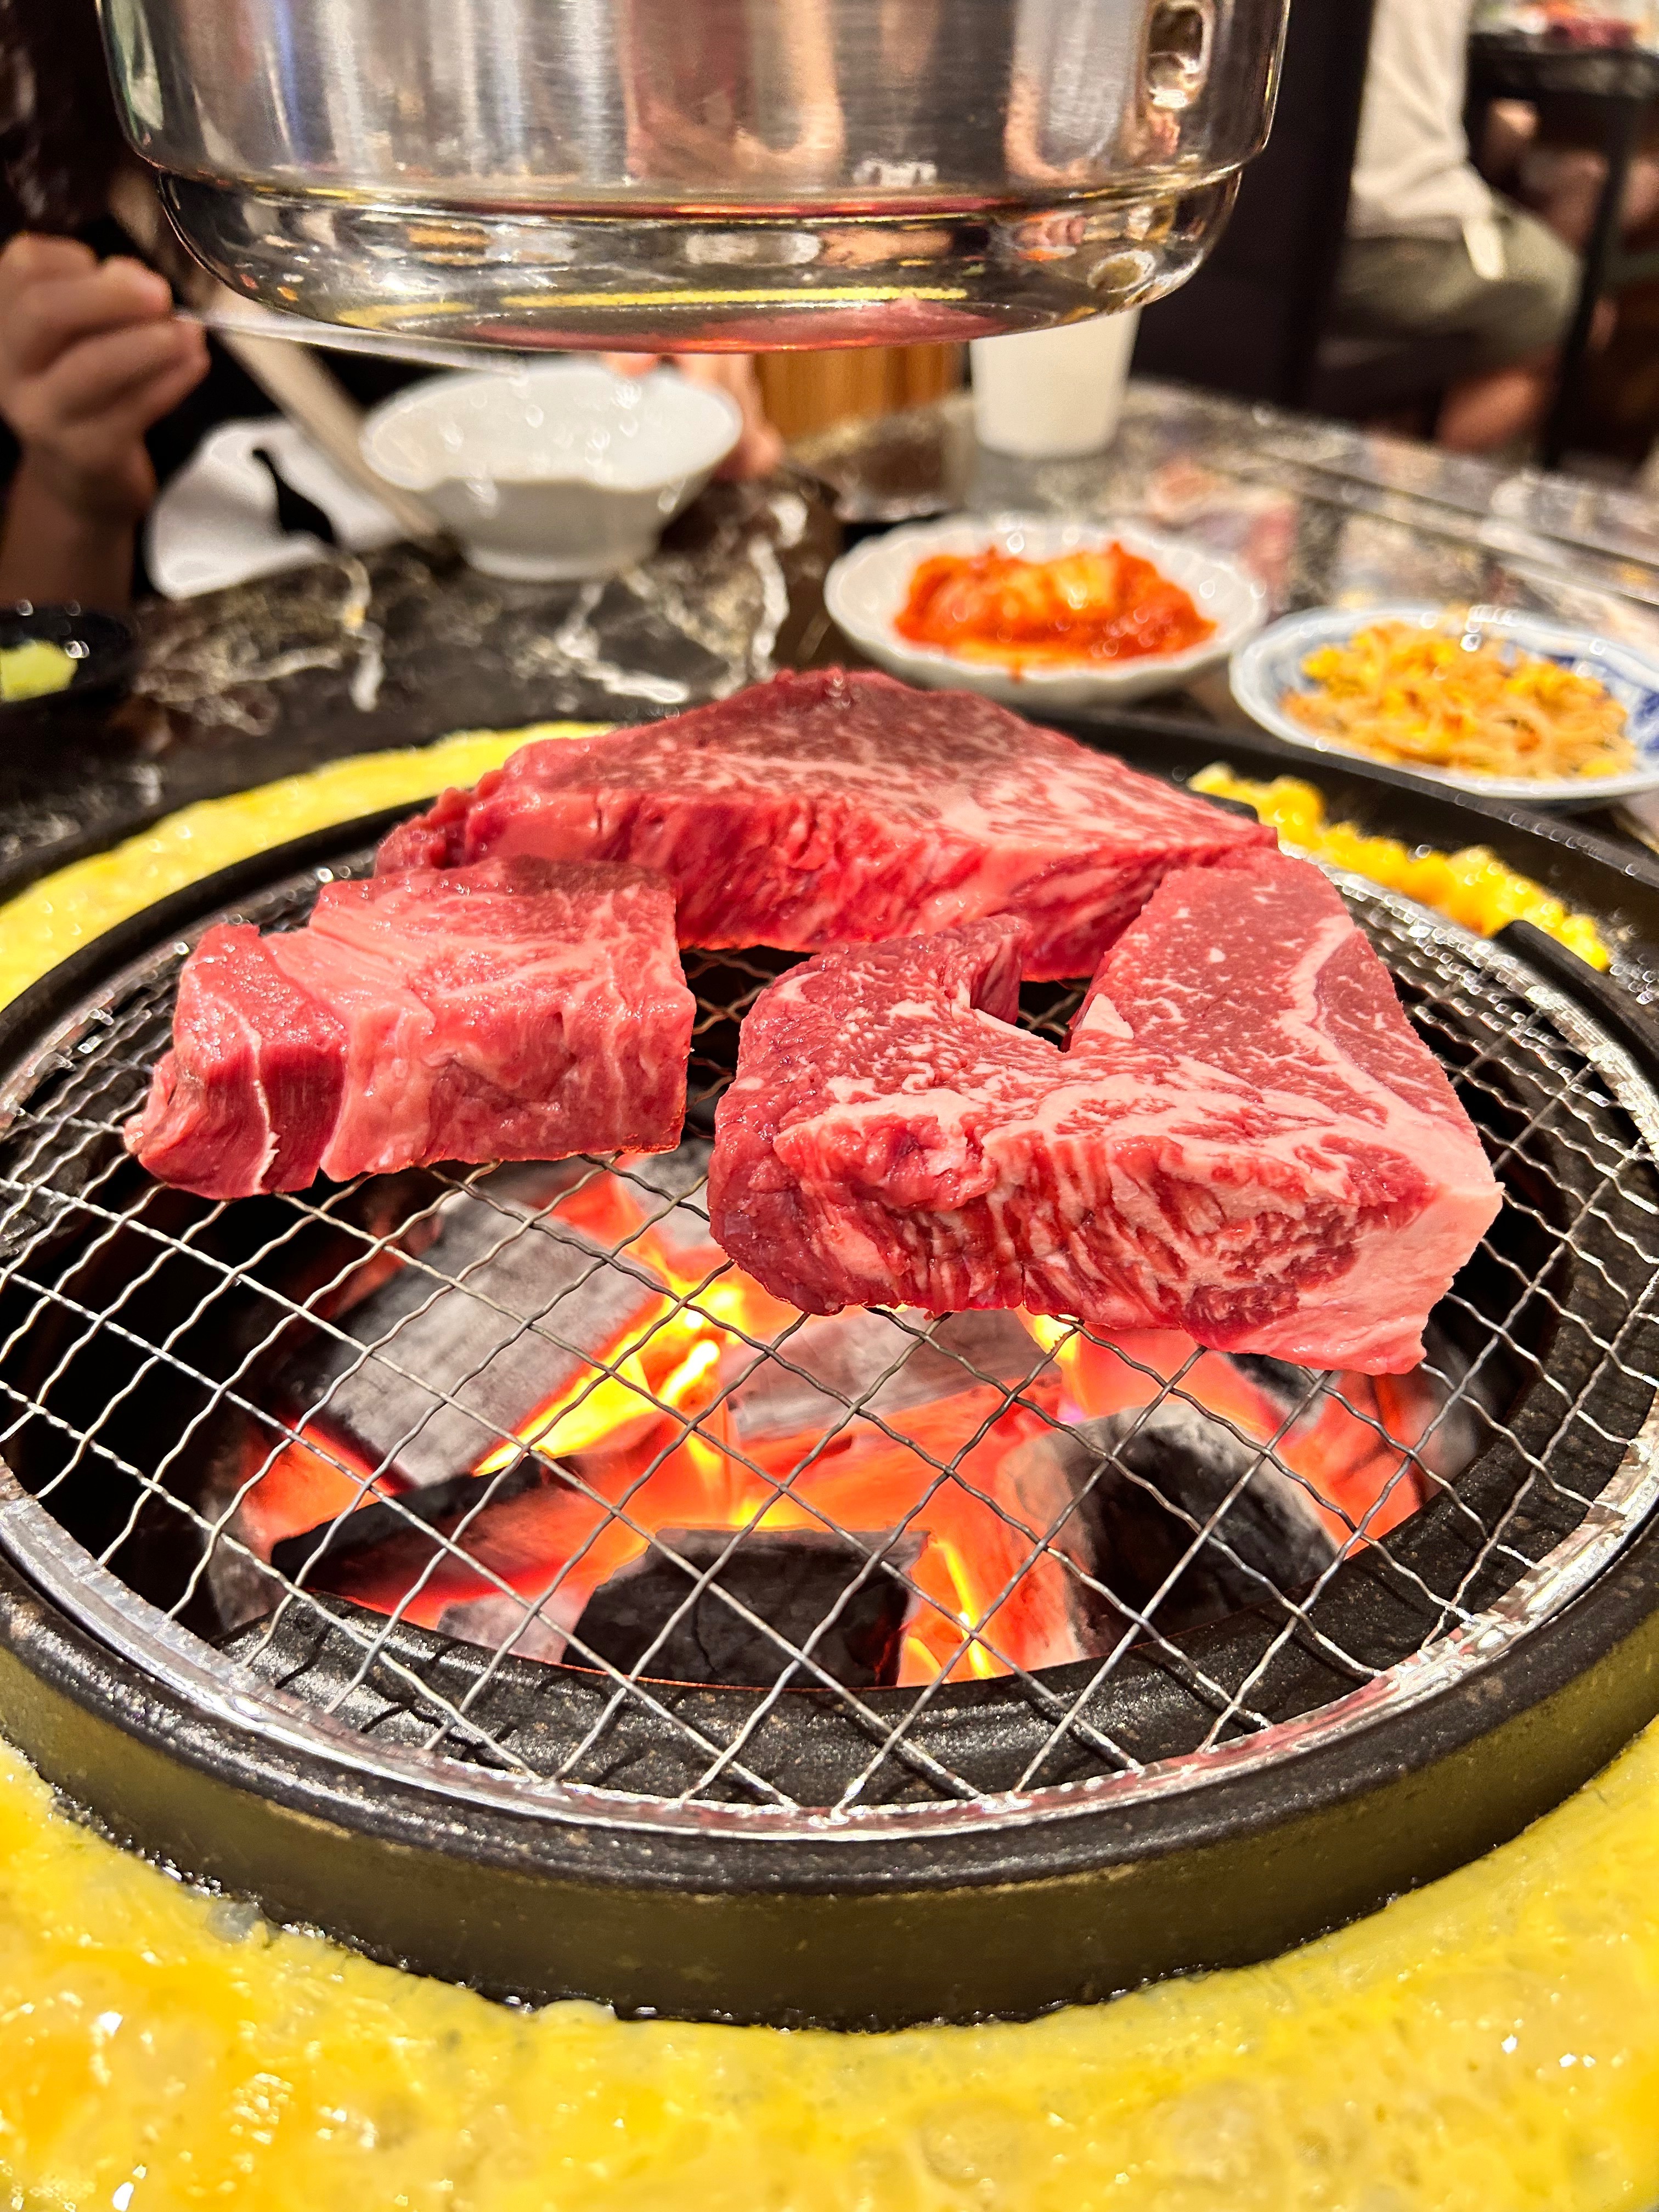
(1472, 886)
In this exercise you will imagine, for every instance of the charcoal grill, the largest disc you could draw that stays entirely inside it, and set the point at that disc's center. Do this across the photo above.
(545, 1798)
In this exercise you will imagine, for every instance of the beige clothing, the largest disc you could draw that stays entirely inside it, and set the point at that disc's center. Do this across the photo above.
(1412, 176)
(1428, 288)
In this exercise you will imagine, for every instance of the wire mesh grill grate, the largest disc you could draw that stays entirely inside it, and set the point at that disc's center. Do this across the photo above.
(508, 1478)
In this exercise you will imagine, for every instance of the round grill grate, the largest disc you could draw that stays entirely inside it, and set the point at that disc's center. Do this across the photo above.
(737, 1626)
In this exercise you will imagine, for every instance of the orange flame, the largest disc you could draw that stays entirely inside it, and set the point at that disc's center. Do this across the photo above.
(650, 1432)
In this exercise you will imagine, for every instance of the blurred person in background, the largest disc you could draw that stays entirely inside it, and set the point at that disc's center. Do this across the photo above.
(104, 389)
(1433, 252)
(1555, 167)
(92, 358)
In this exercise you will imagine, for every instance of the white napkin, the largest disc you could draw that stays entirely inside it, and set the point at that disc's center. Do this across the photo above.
(215, 523)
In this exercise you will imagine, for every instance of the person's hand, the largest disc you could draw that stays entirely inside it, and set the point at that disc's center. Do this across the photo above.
(759, 447)
(90, 357)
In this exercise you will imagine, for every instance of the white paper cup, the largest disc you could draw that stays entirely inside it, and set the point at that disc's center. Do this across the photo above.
(1048, 394)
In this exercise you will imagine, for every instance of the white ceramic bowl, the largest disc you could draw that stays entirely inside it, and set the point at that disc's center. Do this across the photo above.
(558, 471)
(1270, 668)
(868, 586)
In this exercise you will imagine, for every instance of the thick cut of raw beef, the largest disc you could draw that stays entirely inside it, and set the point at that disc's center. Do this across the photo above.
(827, 810)
(249, 1093)
(1244, 1139)
(513, 1011)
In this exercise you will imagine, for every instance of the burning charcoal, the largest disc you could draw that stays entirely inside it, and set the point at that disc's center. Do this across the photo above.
(1270, 1537)
(454, 1326)
(1291, 1388)
(1413, 1411)
(683, 1231)
(513, 1536)
(843, 1356)
(650, 1207)
(320, 1553)
(1366, 1445)
(1038, 1483)
(790, 1578)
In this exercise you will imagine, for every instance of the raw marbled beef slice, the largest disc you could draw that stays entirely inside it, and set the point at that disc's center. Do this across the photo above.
(247, 1097)
(826, 809)
(516, 1009)
(1244, 1138)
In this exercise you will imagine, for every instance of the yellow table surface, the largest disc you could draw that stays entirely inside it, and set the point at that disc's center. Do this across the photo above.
(1490, 2042)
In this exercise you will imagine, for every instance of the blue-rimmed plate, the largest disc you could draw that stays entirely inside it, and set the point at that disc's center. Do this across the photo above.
(1266, 670)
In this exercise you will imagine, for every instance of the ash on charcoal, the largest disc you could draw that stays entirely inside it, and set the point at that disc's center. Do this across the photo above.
(789, 1579)
(840, 1359)
(1155, 1472)
(505, 1308)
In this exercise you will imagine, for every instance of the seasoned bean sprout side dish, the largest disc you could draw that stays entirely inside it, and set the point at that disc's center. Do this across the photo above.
(1451, 698)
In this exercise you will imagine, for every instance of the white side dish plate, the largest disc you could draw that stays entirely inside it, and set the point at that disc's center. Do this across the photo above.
(1269, 668)
(868, 586)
